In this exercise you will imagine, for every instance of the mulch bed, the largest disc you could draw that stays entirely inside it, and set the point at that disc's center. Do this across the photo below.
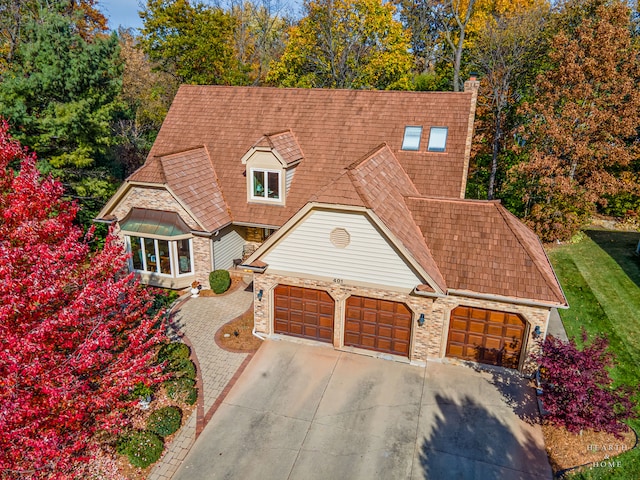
(239, 337)
(235, 284)
(568, 450)
(160, 399)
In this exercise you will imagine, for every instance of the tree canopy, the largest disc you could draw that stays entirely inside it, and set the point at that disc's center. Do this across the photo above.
(192, 42)
(581, 133)
(74, 333)
(345, 44)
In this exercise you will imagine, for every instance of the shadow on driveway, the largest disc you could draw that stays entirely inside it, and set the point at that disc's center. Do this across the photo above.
(467, 441)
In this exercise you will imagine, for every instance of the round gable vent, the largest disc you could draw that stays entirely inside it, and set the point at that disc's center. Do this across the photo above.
(340, 237)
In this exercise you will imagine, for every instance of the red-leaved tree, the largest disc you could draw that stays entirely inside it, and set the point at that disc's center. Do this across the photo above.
(577, 389)
(74, 333)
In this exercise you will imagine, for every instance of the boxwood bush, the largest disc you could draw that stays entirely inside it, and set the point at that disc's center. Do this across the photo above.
(164, 421)
(182, 389)
(173, 351)
(181, 367)
(220, 281)
(142, 448)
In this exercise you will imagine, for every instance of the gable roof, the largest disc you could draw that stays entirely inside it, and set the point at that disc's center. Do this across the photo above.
(329, 128)
(191, 177)
(285, 144)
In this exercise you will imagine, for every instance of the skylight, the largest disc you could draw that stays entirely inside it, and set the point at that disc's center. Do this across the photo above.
(438, 139)
(411, 138)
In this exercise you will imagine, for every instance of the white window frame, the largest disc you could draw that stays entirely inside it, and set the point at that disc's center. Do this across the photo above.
(431, 147)
(176, 258)
(266, 172)
(174, 267)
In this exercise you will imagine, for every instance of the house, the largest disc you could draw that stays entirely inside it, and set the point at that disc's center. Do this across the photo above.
(349, 208)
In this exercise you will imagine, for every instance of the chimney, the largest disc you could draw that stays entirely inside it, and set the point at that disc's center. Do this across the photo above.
(470, 86)
(473, 84)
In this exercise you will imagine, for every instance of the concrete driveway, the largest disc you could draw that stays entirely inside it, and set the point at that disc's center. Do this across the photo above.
(310, 412)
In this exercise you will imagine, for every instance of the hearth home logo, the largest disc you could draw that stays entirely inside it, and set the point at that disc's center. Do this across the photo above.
(610, 449)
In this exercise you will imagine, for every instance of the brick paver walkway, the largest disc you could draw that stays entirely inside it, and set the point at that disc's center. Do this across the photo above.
(196, 321)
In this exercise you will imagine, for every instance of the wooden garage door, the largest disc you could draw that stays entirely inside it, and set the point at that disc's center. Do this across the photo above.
(486, 336)
(303, 312)
(379, 325)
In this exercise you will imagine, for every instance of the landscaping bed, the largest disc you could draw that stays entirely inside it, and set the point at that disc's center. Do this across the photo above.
(593, 449)
(600, 276)
(237, 336)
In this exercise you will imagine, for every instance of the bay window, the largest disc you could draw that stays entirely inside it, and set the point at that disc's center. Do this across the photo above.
(165, 257)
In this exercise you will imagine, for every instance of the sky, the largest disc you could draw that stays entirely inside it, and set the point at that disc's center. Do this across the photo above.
(121, 12)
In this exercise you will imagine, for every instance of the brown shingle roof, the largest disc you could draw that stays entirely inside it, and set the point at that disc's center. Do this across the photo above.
(190, 175)
(480, 247)
(285, 144)
(332, 127)
(383, 184)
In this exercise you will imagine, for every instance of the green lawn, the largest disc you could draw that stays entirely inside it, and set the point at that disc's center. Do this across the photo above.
(601, 279)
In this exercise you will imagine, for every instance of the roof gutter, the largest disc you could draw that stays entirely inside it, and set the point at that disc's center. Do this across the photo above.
(105, 220)
(422, 293)
(253, 268)
(499, 298)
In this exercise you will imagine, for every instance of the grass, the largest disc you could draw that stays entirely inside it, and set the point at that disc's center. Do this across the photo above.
(601, 279)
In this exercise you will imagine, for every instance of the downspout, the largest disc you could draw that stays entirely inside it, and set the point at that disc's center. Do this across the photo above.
(256, 334)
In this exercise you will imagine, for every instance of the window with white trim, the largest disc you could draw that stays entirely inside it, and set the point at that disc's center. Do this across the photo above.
(438, 139)
(172, 258)
(265, 184)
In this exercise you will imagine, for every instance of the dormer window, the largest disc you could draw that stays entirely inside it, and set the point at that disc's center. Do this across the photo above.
(271, 163)
(265, 184)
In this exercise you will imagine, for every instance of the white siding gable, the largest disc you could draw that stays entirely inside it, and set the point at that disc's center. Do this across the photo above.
(368, 258)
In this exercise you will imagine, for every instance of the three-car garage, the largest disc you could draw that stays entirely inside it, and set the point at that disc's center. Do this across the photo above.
(385, 326)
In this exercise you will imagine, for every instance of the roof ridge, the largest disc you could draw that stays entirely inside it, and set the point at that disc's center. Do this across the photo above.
(326, 90)
(279, 132)
(455, 199)
(358, 188)
(506, 216)
(368, 156)
(178, 152)
(217, 180)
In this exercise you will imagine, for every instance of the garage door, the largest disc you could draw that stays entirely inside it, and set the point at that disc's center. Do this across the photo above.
(379, 325)
(303, 312)
(486, 336)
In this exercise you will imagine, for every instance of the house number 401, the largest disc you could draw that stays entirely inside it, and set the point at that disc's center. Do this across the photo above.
(338, 280)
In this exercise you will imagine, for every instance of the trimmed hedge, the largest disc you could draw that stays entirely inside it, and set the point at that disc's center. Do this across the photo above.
(173, 351)
(220, 281)
(182, 367)
(182, 389)
(164, 421)
(142, 448)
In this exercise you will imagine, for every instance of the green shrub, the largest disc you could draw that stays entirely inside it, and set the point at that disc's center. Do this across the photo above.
(220, 281)
(181, 367)
(141, 391)
(141, 447)
(173, 351)
(182, 389)
(164, 421)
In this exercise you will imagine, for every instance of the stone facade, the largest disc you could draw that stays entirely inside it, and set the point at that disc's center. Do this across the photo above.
(161, 199)
(153, 199)
(427, 341)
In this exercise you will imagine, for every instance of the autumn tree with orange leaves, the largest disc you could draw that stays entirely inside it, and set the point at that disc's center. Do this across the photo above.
(581, 137)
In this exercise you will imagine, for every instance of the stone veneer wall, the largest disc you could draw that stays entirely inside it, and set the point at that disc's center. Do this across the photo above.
(154, 199)
(161, 199)
(429, 340)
